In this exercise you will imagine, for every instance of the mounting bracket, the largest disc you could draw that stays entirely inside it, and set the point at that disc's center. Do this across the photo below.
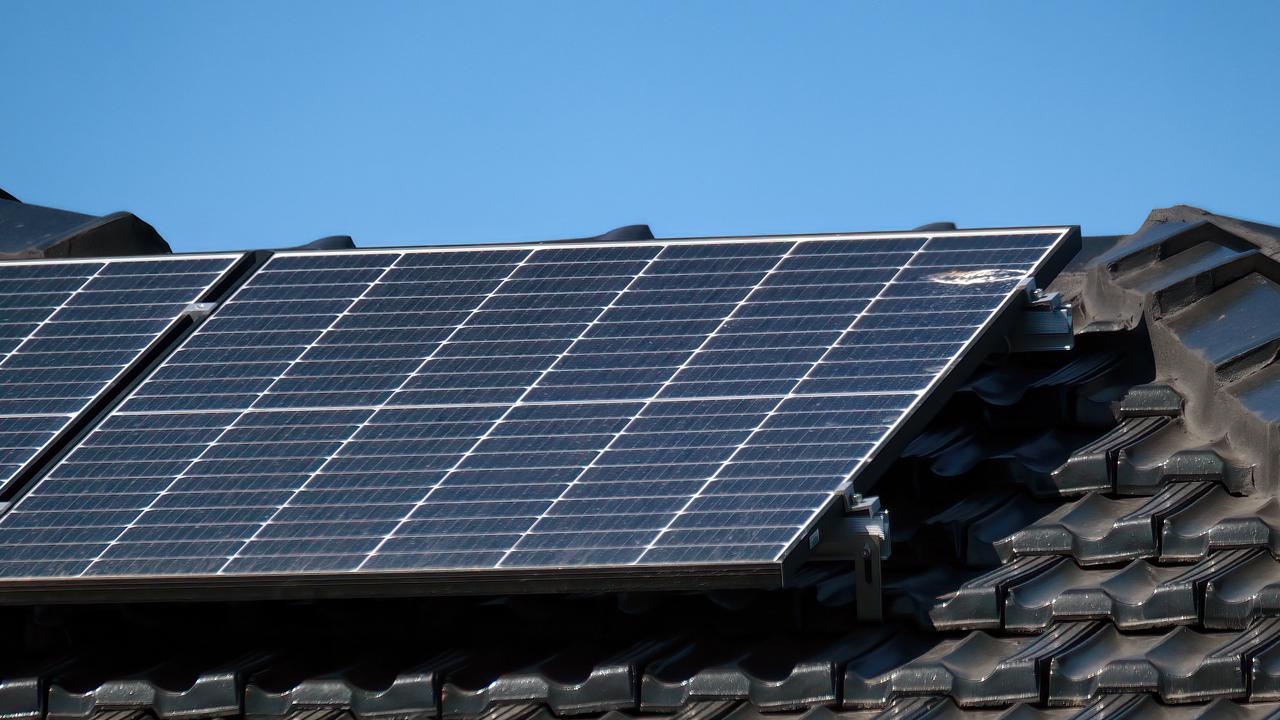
(1044, 325)
(860, 534)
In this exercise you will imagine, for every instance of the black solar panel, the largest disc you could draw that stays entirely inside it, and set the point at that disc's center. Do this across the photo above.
(623, 407)
(70, 328)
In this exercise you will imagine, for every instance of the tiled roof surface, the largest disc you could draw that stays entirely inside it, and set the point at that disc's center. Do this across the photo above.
(33, 231)
(1077, 535)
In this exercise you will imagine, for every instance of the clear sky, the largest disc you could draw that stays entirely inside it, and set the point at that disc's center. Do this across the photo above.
(260, 124)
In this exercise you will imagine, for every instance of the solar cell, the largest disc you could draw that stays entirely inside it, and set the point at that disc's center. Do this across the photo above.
(68, 329)
(629, 406)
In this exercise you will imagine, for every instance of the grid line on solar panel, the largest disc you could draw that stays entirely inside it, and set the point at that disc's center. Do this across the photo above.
(772, 269)
(514, 270)
(680, 402)
(65, 339)
(657, 538)
(159, 496)
(487, 433)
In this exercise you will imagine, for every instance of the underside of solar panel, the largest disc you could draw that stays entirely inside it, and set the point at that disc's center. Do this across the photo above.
(659, 413)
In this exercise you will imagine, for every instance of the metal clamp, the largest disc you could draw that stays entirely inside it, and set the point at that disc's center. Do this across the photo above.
(199, 310)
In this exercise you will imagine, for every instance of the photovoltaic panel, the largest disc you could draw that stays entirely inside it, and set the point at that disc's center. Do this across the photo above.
(68, 329)
(500, 410)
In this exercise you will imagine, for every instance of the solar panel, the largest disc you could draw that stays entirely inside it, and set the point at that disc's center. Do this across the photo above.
(623, 409)
(69, 329)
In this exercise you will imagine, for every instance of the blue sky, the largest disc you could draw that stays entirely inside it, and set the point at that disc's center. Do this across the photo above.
(253, 124)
